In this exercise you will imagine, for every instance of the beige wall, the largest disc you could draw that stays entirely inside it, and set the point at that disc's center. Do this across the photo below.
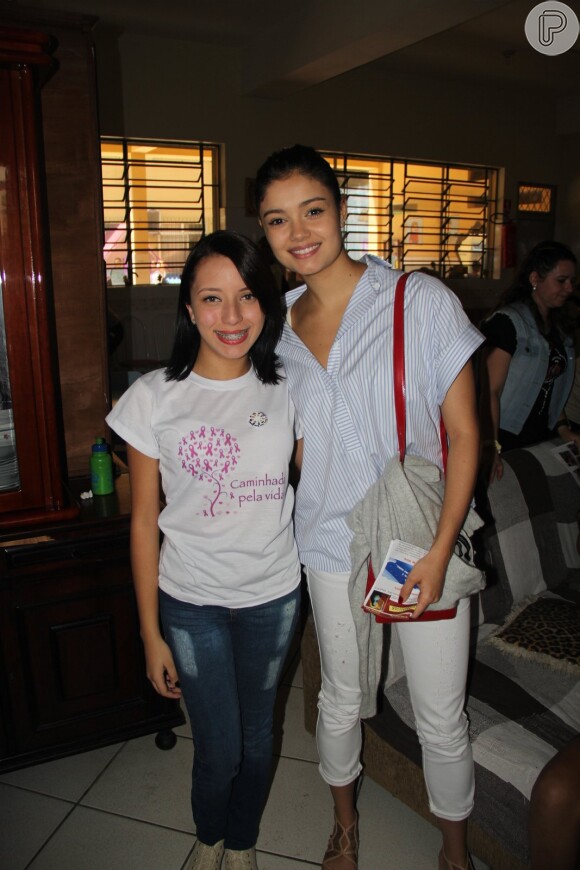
(167, 88)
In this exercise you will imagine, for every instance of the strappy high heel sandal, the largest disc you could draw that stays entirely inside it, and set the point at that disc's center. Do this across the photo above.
(446, 864)
(342, 850)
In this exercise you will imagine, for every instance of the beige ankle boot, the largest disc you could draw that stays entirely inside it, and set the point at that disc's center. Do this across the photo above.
(242, 860)
(206, 857)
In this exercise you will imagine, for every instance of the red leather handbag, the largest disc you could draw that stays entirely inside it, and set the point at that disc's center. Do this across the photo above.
(402, 612)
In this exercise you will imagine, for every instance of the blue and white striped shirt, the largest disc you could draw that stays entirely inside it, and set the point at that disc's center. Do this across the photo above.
(347, 409)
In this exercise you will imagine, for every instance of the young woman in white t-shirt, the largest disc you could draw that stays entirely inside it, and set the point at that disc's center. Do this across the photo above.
(215, 431)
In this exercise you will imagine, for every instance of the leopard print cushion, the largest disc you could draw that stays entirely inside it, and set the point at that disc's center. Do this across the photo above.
(546, 630)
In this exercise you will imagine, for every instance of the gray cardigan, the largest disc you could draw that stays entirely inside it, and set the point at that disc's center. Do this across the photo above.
(405, 503)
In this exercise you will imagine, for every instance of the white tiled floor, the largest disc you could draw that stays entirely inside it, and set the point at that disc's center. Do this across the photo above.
(126, 807)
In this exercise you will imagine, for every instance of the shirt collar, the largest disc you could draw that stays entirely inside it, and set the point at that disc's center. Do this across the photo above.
(370, 284)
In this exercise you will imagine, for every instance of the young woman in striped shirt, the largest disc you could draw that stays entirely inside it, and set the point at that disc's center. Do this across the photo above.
(335, 351)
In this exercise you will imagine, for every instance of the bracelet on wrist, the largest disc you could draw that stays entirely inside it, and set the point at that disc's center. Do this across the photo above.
(493, 442)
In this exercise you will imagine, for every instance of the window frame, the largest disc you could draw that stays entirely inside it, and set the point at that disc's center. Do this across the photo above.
(437, 206)
(527, 209)
(144, 229)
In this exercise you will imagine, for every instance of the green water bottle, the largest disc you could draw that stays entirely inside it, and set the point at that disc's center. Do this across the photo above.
(101, 468)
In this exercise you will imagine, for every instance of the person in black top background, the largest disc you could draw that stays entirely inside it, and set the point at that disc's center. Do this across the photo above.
(528, 350)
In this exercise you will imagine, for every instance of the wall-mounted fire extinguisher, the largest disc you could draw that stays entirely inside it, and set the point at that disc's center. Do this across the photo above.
(508, 238)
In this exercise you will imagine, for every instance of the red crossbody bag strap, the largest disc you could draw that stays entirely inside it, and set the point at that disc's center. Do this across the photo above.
(399, 363)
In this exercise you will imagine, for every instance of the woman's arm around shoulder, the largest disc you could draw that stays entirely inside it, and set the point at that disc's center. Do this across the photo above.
(297, 457)
(145, 497)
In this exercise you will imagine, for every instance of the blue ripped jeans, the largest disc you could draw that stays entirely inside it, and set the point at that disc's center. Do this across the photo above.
(229, 663)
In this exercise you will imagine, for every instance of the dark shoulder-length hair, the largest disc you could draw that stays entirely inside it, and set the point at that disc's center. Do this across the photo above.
(257, 277)
(297, 158)
(542, 258)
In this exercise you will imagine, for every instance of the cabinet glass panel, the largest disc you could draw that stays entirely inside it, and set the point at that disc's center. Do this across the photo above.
(9, 474)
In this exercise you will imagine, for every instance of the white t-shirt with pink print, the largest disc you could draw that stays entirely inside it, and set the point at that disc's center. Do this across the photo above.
(224, 449)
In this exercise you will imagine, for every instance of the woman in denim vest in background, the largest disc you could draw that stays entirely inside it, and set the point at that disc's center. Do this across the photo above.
(529, 357)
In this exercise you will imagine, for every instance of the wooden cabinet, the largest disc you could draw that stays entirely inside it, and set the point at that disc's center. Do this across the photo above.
(72, 675)
(51, 251)
(31, 435)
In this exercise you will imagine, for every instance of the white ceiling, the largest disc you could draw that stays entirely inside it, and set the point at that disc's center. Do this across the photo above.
(294, 45)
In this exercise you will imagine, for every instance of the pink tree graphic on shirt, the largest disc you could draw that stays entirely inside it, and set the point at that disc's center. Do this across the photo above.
(210, 454)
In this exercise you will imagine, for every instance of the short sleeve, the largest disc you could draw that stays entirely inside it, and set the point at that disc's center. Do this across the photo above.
(500, 332)
(131, 418)
(454, 339)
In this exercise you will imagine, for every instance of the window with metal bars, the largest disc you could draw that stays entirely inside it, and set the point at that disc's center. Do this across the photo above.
(436, 216)
(536, 199)
(159, 198)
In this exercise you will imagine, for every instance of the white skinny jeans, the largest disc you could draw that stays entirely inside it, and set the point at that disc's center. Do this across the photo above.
(436, 656)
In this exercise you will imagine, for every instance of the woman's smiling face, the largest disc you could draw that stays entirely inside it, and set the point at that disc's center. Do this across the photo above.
(300, 219)
(555, 287)
(228, 316)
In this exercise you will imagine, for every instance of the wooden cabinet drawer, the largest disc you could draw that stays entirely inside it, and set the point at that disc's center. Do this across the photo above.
(71, 659)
